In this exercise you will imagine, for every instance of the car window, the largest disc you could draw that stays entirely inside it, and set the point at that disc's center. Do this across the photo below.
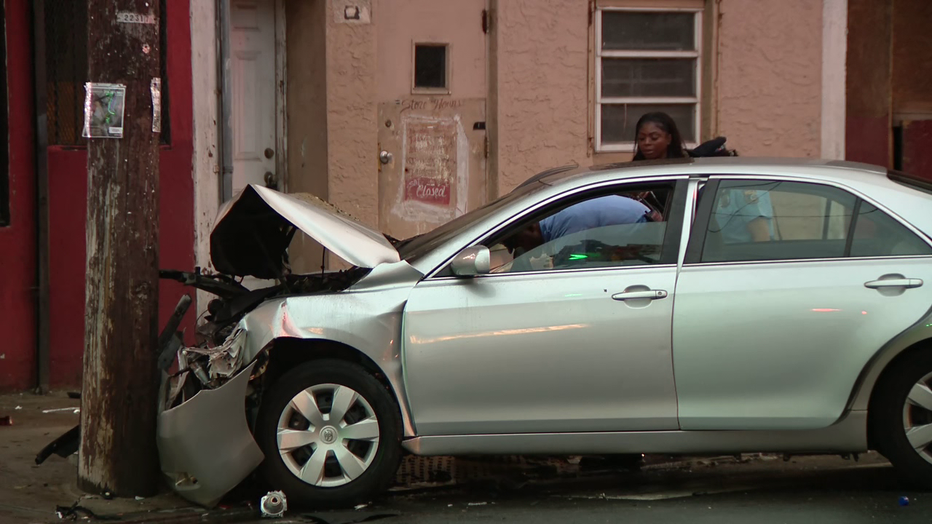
(878, 234)
(414, 248)
(603, 230)
(776, 220)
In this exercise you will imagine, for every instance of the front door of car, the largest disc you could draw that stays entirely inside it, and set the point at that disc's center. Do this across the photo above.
(576, 340)
(773, 333)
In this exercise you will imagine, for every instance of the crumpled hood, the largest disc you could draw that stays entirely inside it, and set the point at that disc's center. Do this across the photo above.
(254, 229)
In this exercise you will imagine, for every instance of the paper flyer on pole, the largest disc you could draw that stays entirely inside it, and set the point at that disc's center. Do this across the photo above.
(103, 110)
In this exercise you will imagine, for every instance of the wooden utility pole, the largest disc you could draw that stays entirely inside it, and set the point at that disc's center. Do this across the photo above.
(118, 404)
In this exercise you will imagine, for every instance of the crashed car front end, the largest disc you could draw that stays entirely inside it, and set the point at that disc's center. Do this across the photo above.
(203, 461)
(211, 392)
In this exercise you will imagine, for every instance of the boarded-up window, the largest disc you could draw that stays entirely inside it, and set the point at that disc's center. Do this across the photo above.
(430, 67)
(66, 71)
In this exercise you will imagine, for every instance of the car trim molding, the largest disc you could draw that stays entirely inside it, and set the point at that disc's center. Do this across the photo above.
(848, 435)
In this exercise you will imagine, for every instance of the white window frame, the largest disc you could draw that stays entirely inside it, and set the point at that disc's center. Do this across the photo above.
(696, 101)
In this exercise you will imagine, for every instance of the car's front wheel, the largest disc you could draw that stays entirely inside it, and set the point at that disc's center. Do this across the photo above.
(331, 434)
(901, 417)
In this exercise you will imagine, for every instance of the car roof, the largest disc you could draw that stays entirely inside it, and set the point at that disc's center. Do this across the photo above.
(705, 166)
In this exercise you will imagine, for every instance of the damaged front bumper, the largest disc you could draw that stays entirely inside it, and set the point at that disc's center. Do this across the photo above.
(205, 445)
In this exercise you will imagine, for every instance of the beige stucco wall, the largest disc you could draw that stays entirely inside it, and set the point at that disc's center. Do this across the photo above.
(305, 40)
(767, 96)
(332, 111)
(542, 70)
(352, 110)
(769, 76)
(305, 37)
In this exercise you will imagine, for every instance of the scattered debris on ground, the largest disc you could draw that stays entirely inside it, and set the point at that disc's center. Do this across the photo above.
(273, 504)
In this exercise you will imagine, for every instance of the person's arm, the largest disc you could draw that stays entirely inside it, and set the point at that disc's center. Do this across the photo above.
(759, 228)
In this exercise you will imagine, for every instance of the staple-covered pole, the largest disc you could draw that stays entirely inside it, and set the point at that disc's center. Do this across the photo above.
(118, 405)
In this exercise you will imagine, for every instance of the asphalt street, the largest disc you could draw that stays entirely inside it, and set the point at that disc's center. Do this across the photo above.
(760, 490)
(753, 488)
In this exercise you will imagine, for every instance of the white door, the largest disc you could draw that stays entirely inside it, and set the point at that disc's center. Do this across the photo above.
(252, 68)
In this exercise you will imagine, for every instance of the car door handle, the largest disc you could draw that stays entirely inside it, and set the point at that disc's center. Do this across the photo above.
(651, 294)
(908, 283)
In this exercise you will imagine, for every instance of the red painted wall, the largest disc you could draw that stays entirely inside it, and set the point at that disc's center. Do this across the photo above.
(868, 129)
(68, 201)
(917, 148)
(18, 240)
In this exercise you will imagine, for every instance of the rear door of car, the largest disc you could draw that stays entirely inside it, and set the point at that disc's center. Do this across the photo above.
(773, 334)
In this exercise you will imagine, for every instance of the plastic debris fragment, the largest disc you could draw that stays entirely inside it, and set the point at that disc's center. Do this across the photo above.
(56, 410)
(273, 504)
(904, 501)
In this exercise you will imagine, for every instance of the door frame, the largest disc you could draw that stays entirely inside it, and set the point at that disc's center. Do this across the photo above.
(678, 226)
(703, 214)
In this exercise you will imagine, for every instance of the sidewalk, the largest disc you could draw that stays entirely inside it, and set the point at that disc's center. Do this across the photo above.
(30, 493)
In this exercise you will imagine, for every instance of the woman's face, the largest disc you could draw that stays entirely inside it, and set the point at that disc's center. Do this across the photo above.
(653, 141)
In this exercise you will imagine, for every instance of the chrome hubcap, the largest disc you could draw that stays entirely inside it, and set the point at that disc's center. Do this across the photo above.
(917, 417)
(328, 435)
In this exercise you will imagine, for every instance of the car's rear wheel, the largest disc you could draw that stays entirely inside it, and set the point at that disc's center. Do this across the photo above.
(901, 417)
(331, 434)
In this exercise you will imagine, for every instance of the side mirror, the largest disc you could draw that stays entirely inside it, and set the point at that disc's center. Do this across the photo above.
(472, 261)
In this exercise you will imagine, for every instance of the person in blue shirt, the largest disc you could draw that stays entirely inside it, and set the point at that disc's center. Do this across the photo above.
(604, 211)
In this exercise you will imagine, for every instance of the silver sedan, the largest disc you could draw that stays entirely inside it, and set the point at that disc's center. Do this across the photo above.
(695, 306)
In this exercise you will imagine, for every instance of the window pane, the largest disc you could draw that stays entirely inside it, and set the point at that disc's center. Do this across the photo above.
(65, 70)
(877, 234)
(648, 77)
(619, 120)
(767, 220)
(430, 66)
(624, 30)
(609, 230)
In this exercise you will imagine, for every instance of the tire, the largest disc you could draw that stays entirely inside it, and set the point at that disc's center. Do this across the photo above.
(341, 462)
(894, 413)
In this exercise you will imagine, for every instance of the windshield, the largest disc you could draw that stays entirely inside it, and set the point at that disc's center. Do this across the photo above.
(417, 246)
